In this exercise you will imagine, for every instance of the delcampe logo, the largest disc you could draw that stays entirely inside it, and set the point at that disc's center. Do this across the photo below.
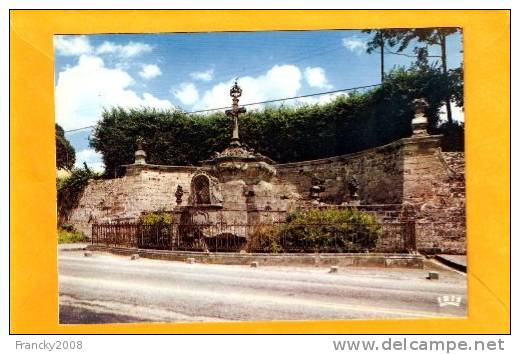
(449, 300)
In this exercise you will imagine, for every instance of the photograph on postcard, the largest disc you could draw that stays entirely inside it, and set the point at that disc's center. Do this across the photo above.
(270, 175)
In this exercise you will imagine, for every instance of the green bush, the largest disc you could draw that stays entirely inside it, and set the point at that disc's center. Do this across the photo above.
(70, 236)
(156, 218)
(320, 230)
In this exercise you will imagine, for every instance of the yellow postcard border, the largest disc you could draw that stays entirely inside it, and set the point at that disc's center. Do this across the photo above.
(33, 274)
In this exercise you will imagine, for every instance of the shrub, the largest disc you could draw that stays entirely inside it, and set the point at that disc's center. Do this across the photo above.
(156, 218)
(320, 230)
(70, 188)
(264, 238)
(155, 232)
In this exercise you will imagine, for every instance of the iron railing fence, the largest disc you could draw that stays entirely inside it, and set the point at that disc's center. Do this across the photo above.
(260, 238)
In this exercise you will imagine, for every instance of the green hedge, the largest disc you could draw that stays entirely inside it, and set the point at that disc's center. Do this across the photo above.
(350, 123)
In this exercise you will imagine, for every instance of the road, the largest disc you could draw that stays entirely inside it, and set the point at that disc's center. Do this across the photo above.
(114, 289)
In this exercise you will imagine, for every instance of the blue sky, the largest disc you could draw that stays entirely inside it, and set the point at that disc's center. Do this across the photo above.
(193, 71)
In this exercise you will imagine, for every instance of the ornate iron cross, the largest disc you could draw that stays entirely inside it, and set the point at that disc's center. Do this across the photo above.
(234, 112)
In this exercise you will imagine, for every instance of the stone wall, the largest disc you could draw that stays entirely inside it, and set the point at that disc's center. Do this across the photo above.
(379, 172)
(411, 174)
(143, 188)
(441, 216)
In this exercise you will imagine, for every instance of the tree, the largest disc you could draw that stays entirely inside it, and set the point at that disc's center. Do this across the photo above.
(65, 154)
(377, 44)
(428, 36)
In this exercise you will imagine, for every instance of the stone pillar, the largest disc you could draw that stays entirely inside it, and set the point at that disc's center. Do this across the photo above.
(139, 160)
(421, 164)
(422, 167)
(423, 174)
(140, 154)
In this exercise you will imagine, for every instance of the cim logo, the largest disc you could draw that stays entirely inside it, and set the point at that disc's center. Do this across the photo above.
(449, 300)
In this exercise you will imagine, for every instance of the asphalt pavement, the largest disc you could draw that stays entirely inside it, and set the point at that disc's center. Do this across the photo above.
(105, 288)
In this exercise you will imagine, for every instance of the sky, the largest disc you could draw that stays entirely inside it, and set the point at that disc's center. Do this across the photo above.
(194, 71)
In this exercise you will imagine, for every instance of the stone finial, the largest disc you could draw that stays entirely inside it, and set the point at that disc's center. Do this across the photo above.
(140, 155)
(419, 121)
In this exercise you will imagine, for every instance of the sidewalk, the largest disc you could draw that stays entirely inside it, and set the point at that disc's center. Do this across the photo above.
(72, 246)
(455, 261)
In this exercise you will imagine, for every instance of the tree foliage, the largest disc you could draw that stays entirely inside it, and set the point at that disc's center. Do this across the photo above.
(65, 154)
(427, 36)
(348, 124)
(70, 188)
(388, 37)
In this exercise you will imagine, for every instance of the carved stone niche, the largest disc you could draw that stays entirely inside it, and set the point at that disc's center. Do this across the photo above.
(204, 191)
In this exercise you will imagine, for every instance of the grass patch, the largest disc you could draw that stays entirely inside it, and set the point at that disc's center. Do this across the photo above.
(68, 236)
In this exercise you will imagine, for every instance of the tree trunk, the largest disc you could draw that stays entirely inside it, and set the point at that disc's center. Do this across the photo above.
(382, 46)
(445, 71)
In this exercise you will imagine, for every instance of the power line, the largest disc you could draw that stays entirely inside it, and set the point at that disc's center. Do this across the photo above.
(287, 98)
(404, 54)
(411, 55)
(260, 102)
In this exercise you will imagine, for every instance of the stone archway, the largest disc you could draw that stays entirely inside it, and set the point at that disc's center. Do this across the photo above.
(200, 190)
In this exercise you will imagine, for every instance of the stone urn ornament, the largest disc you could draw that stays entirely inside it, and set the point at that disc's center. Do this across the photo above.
(420, 121)
(140, 154)
(353, 187)
(178, 194)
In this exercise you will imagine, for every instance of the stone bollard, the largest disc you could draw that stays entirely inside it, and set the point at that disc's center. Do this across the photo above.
(433, 276)
(254, 264)
(190, 260)
(87, 254)
(333, 269)
(134, 256)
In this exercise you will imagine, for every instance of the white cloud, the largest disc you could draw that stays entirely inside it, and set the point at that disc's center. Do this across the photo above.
(84, 89)
(202, 75)
(322, 99)
(355, 45)
(279, 81)
(457, 113)
(129, 50)
(315, 77)
(79, 45)
(186, 92)
(92, 158)
(149, 71)
(72, 45)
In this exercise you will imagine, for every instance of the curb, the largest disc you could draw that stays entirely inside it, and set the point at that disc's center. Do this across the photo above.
(451, 264)
(381, 260)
